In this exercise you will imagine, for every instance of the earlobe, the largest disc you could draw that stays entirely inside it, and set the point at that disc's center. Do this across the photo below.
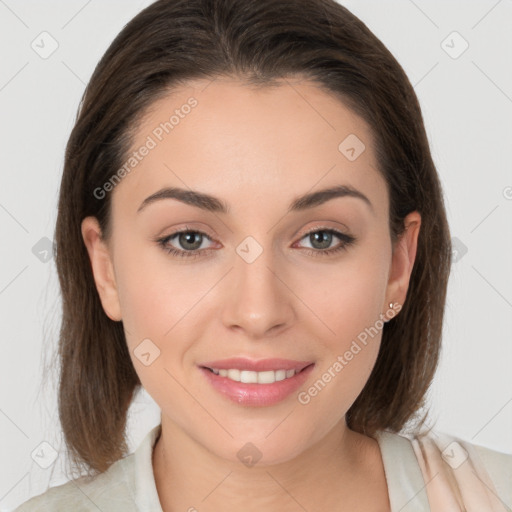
(404, 256)
(102, 267)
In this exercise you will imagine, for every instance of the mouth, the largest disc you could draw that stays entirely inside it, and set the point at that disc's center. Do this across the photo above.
(254, 377)
(262, 387)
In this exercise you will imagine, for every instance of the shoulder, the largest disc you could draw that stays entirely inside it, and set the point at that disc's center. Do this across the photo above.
(111, 490)
(477, 474)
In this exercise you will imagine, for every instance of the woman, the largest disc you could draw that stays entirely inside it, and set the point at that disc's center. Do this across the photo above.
(285, 372)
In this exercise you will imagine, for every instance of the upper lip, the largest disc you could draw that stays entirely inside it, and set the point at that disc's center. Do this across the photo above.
(261, 365)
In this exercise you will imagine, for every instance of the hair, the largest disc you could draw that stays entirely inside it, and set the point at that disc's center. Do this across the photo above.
(169, 43)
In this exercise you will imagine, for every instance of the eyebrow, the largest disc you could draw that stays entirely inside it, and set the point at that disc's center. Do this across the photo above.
(216, 205)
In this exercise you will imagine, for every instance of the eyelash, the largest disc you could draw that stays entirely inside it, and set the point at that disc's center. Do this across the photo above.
(347, 240)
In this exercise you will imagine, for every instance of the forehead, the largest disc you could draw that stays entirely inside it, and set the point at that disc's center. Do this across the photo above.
(251, 144)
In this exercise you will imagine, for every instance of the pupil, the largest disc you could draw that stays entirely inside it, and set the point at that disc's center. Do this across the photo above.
(322, 234)
(187, 236)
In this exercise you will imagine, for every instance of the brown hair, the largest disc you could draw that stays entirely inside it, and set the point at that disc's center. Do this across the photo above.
(173, 41)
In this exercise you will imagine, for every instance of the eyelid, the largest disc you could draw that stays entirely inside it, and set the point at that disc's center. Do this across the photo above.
(324, 227)
(186, 228)
(297, 235)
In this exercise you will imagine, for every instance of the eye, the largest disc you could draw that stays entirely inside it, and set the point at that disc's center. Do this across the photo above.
(323, 238)
(192, 241)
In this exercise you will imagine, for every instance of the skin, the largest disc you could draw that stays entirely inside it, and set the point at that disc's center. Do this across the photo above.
(257, 150)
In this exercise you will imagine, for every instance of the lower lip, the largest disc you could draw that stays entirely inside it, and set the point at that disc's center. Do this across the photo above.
(257, 394)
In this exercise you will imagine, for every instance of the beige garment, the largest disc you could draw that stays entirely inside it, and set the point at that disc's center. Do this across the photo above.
(129, 484)
(457, 480)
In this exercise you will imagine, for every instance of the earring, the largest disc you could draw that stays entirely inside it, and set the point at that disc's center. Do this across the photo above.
(391, 306)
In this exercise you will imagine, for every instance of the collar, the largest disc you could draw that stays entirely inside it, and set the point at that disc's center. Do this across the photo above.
(146, 494)
(406, 486)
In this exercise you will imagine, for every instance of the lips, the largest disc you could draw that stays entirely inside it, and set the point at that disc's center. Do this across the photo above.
(261, 394)
(261, 365)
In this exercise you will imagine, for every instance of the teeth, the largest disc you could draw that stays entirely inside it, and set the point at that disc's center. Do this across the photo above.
(248, 377)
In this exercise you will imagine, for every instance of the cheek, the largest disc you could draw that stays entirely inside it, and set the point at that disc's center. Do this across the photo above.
(159, 304)
(348, 299)
(143, 303)
(152, 292)
(151, 318)
(347, 361)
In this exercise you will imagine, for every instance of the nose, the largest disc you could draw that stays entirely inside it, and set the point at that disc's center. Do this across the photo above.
(259, 301)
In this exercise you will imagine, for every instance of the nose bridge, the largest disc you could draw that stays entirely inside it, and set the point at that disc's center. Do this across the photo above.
(258, 301)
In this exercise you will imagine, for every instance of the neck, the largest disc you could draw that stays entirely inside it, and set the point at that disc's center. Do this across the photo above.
(189, 477)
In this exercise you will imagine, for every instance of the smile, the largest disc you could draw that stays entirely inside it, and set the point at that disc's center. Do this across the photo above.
(250, 377)
(257, 388)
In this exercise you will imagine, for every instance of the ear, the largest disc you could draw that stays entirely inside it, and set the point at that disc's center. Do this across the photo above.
(102, 267)
(404, 255)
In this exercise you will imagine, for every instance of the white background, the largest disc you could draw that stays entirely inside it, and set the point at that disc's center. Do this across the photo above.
(467, 106)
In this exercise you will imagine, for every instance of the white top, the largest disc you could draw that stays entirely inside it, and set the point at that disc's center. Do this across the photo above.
(435, 473)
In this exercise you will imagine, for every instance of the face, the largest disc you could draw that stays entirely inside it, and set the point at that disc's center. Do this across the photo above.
(266, 277)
